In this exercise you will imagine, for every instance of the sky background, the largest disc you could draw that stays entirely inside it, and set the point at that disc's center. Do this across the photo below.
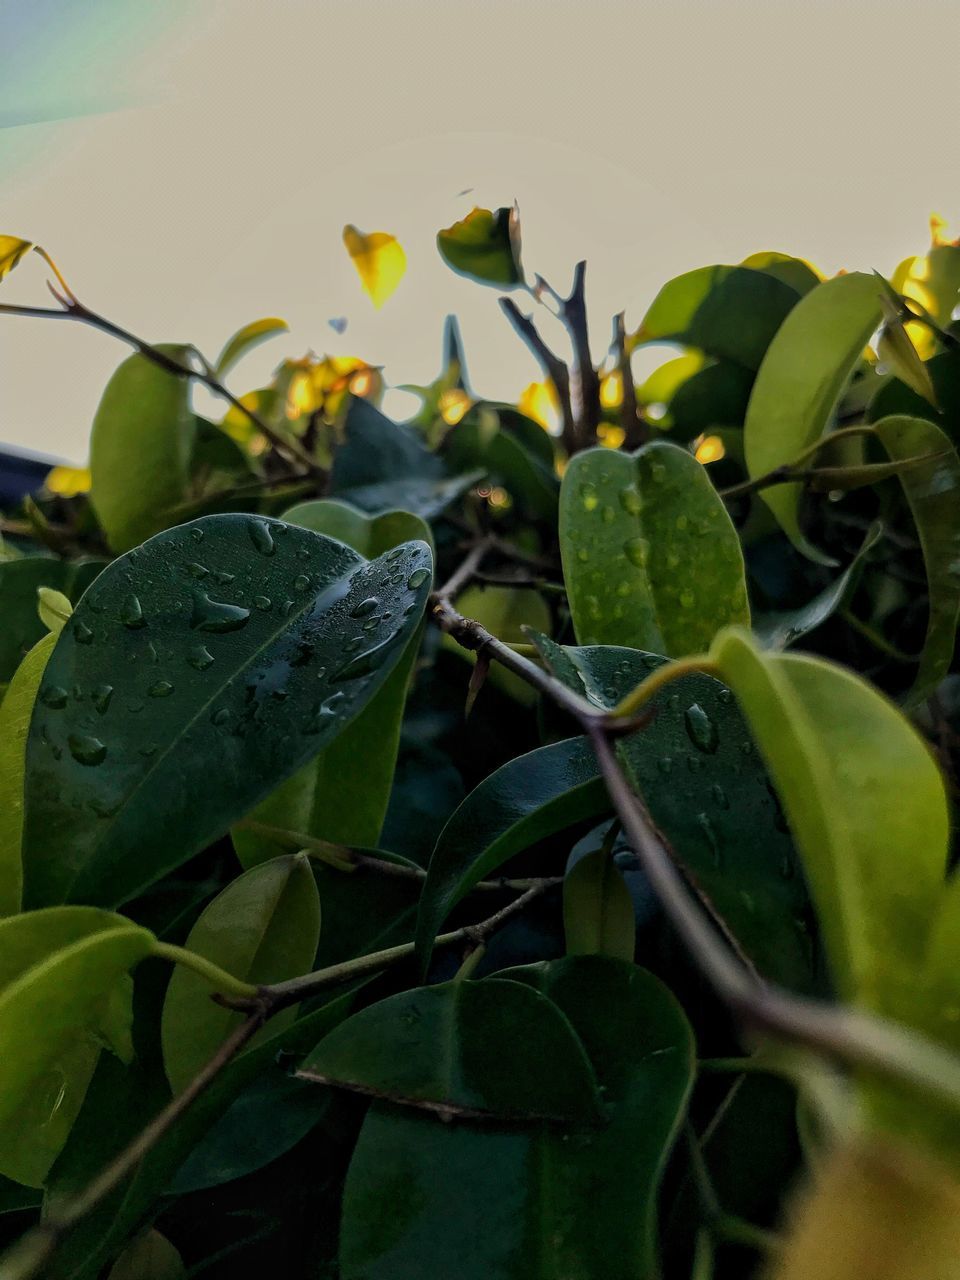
(191, 165)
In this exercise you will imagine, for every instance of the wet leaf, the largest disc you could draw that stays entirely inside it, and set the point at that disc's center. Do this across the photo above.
(527, 1199)
(140, 448)
(454, 1048)
(379, 259)
(933, 493)
(801, 381)
(485, 246)
(263, 928)
(598, 909)
(244, 341)
(233, 638)
(650, 556)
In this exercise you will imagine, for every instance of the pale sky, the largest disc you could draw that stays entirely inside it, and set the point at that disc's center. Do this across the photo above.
(193, 163)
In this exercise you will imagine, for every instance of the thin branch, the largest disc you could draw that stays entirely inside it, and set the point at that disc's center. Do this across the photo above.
(634, 426)
(585, 382)
(553, 368)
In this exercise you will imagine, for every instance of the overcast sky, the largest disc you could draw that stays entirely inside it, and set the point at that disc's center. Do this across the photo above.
(191, 165)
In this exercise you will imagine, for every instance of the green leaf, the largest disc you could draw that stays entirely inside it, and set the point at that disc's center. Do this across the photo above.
(485, 246)
(330, 797)
(20, 581)
(480, 440)
(263, 928)
(527, 1200)
(650, 557)
(483, 1049)
(53, 609)
(376, 450)
(779, 630)
(866, 805)
(597, 909)
(800, 382)
(507, 613)
(526, 800)
(795, 272)
(933, 492)
(707, 790)
(15, 712)
(716, 396)
(731, 313)
(233, 638)
(150, 1256)
(60, 999)
(245, 339)
(140, 448)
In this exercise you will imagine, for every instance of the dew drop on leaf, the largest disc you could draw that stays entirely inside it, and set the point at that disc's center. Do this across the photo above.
(131, 613)
(365, 607)
(82, 633)
(86, 750)
(261, 537)
(101, 697)
(200, 657)
(212, 615)
(701, 730)
(53, 696)
(162, 689)
(417, 578)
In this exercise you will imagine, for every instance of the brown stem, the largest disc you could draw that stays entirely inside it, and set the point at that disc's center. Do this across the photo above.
(634, 426)
(584, 382)
(553, 368)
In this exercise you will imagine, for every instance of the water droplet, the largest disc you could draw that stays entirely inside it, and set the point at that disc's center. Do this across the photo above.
(631, 501)
(364, 663)
(261, 537)
(86, 750)
(687, 598)
(212, 615)
(263, 603)
(131, 613)
(608, 515)
(681, 523)
(650, 660)
(394, 555)
(417, 579)
(353, 645)
(725, 696)
(637, 551)
(224, 578)
(694, 764)
(301, 582)
(82, 633)
(365, 607)
(658, 473)
(53, 696)
(701, 730)
(583, 555)
(673, 560)
(101, 697)
(220, 716)
(303, 553)
(197, 570)
(196, 534)
(589, 497)
(720, 796)
(162, 689)
(200, 657)
(664, 764)
(707, 827)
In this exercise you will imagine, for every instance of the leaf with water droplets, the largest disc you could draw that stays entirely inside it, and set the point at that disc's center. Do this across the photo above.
(140, 448)
(214, 702)
(63, 993)
(650, 556)
(264, 927)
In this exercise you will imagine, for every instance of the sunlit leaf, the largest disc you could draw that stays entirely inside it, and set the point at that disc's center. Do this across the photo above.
(67, 482)
(53, 608)
(796, 272)
(264, 927)
(379, 259)
(485, 245)
(245, 339)
(650, 556)
(897, 352)
(800, 382)
(12, 252)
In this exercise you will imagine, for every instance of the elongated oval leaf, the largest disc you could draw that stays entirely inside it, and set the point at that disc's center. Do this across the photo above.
(233, 639)
(598, 909)
(263, 928)
(650, 556)
(527, 1199)
(370, 535)
(245, 339)
(866, 805)
(933, 492)
(483, 1049)
(140, 448)
(524, 801)
(50, 1013)
(800, 381)
(15, 712)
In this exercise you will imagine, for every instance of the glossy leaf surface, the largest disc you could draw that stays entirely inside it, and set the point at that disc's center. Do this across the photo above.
(597, 909)
(233, 638)
(650, 556)
(245, 340)
(484, 246)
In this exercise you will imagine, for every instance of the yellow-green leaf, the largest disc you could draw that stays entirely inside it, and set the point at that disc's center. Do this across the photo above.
(54, 609)
(379, 259)
(245, 339)
(12, 251)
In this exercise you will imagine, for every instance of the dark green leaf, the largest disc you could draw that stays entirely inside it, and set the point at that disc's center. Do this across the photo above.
(150, 1256)
(140, 448)
(19, 582)
(483, 1049)
(650, 556)
(234, 639)
(480, 440)
(485, 245)
(716, 396)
